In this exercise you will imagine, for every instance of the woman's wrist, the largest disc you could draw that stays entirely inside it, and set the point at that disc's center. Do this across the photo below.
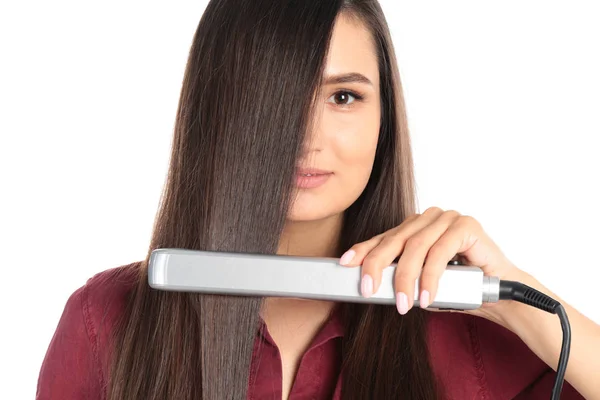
(540, 330)
(518, 317)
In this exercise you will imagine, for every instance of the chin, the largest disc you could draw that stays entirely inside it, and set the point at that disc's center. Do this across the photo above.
(311, 208)
(303, 215)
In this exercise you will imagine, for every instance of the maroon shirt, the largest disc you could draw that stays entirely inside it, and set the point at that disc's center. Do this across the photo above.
(472, 357)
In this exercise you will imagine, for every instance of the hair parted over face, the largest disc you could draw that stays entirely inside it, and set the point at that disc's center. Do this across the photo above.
(264, 137)
(339, 150)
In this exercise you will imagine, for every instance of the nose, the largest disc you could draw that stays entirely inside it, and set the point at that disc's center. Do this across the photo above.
(314, 138)
(311, 147)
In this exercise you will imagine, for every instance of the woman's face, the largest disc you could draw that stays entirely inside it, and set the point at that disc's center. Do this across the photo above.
(340, 149)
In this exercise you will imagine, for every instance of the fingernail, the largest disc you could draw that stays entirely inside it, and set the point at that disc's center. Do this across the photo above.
(347, 257)
(424, 301)
(402, 302)
(366, 286)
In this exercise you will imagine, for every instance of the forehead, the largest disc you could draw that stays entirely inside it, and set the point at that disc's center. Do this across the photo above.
(352, 49)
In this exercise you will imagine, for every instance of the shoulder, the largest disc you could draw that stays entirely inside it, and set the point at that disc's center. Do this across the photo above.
(76, 362)
(476, 357)
(106, 292)
(103, 301)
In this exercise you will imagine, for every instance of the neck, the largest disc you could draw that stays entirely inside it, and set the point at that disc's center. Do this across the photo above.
(307, 239)
(319, 238)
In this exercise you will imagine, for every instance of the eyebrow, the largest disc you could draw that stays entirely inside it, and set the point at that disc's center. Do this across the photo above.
(347, 78)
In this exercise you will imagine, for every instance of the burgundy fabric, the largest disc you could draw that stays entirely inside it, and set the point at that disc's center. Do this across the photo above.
(473, 358)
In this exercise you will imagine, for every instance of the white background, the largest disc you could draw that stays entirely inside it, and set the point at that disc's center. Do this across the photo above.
(502, 100)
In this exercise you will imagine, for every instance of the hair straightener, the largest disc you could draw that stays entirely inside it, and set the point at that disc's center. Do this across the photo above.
(244, 274)
(460, 287)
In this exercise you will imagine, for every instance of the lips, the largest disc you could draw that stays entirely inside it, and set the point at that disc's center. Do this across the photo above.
(310, 178)
(312, 172)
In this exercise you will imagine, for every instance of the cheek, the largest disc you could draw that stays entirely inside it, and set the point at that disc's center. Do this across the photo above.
(354, 148)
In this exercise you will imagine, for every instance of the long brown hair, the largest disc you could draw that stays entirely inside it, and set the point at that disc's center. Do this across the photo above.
(245, 105)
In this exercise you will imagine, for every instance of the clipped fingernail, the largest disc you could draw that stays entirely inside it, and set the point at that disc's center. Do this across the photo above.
(366, 286)
(347, 257)
(402, 302)
(424, 301)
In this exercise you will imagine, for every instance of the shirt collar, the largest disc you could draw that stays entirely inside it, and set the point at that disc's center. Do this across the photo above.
(332, 328)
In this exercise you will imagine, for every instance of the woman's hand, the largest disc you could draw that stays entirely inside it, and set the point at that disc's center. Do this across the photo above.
(428, 242)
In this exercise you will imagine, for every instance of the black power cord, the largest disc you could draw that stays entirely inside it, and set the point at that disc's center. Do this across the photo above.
(517, 291)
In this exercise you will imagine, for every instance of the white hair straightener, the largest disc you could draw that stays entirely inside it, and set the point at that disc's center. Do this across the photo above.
(242, 274)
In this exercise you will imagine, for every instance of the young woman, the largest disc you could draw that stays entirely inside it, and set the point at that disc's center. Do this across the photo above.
(291, 138)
